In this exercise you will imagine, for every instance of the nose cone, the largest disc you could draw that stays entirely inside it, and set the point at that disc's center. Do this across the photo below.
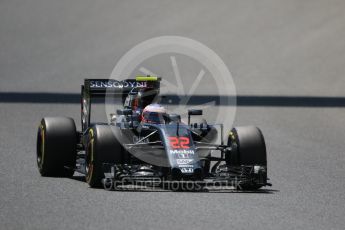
(176, 174)
(198, 174)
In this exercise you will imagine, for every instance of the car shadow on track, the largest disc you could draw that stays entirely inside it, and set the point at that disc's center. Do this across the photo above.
(79, 178)
(260, 191)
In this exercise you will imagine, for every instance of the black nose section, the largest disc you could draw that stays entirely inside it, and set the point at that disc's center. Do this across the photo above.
(176, 174)
(198, 174)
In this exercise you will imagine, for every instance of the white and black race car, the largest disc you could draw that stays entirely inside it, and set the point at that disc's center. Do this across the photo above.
(142, 143)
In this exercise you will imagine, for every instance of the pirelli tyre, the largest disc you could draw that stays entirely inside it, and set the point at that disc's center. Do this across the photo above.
(247, 148)
(56, 147)
(102, 147)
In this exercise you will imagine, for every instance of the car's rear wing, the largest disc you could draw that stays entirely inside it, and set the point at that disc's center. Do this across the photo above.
(103, 87)
(100, 88)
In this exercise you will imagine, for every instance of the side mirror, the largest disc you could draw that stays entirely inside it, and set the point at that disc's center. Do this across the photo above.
(194, 112)
(125, 112)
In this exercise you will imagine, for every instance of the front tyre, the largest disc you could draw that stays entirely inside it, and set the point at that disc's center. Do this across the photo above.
(56, 146)
(248, 148)
(102, 147)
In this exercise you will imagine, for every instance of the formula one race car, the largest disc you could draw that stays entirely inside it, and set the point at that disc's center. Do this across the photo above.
(143, 143)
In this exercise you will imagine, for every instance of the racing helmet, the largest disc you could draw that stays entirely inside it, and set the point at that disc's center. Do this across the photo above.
(154, 114)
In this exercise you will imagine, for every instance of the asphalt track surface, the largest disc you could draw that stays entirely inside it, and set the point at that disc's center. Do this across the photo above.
(287, 59)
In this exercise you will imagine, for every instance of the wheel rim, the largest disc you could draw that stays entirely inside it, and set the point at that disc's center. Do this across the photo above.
(88, 165)
(89, 160)
(40, 146)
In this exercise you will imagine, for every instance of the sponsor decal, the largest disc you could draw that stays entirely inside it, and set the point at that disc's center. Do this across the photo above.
(117, 84)
(184, 161)
(183, 156)
(186, 166)
(179, 142)
(184, 151)
(187, 170)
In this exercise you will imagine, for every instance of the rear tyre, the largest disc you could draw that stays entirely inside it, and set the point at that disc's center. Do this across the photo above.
(102, 147)
(248, 148)
(56, 146)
